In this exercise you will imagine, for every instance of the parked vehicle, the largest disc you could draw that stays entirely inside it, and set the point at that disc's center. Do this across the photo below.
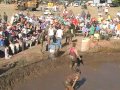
(114, 5)
(27, 4)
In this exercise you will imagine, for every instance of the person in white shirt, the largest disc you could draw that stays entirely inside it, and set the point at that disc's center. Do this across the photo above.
(65, 12)
(59, 35)
(51, 33)
(106, 10)
(118, 13)
(25, 31)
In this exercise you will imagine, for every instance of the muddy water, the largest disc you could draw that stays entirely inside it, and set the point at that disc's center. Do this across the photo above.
(104, 77)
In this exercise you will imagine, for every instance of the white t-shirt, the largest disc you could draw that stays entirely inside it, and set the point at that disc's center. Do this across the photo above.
(106, 9)
(1, 32)
(118, 14)
(20, 35)
(30, 20)
(59, 33)
(50, 31)
(24, 30)
(12, 19)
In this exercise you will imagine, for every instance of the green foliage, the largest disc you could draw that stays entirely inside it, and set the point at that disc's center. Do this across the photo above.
(118, 1)
(1, 1)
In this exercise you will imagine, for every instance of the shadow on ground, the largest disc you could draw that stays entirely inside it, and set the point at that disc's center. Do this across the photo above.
(60, 53)
(80, 83)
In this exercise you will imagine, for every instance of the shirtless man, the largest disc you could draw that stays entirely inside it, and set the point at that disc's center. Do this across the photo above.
(71, 80)
(73, 53)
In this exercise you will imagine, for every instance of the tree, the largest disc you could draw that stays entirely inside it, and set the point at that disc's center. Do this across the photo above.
(117, 1)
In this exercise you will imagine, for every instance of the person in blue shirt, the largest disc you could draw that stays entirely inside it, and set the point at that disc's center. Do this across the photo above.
(112, 26)
(97, 28)
(1, 42)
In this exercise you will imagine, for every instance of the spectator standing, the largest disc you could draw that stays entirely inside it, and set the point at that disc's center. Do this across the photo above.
(118, 30)
(92, 31)
(88, 16)
(118, 14)
(59, 35)
(83, 15)
(97, 28)
(106, 10)
(85, 31)
(5, 17)
(112, 27)
(1, 37)
(6, 44)
(68, 35)
(0, 18)
(51, 32)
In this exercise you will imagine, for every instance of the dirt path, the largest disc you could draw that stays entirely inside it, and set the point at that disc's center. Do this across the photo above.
(98, 73)
(10, 10)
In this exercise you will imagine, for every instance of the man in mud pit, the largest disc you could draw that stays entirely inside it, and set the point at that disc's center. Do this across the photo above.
(71, 80)
(74, 56)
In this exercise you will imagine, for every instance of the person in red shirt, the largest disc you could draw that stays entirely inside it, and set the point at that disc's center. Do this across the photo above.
(73, 53)
(75, 21)
(93, 20)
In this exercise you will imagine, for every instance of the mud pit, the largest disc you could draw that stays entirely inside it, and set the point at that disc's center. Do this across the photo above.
(97, 74)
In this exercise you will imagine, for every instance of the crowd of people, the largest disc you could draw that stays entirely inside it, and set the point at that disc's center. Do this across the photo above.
(25, 30)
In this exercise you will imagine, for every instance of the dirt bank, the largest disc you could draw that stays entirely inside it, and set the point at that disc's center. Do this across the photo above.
(18, 74)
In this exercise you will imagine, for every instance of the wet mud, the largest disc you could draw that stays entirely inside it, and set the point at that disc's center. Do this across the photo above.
(99, 72)
(104, 78)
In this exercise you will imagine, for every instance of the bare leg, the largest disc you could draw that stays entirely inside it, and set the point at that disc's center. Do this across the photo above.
(69, 88)
(66, 88)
